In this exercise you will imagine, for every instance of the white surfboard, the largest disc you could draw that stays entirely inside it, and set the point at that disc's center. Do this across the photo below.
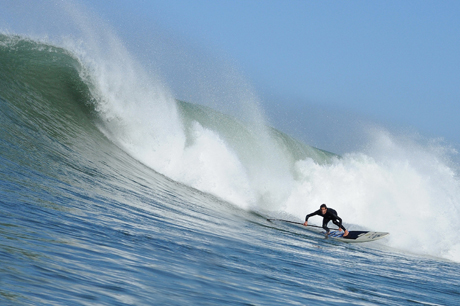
(353, 236)
(357, 236)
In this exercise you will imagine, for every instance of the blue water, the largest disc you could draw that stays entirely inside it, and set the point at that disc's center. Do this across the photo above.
(92, 214)
(64, 245)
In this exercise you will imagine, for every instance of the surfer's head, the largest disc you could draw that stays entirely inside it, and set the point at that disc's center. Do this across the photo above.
(323, 208)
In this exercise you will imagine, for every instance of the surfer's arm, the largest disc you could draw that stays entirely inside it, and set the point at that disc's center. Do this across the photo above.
(312, 214)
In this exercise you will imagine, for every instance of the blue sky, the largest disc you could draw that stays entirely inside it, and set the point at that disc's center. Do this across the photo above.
(393, 62)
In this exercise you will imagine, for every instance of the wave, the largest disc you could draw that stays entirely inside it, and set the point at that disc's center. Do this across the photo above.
(74, 103)
(190, 143)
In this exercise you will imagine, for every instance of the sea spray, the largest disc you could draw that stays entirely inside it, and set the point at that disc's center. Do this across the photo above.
(138, 113)
(396, 185)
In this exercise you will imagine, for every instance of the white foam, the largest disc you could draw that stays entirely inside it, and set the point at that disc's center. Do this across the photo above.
(398, 186)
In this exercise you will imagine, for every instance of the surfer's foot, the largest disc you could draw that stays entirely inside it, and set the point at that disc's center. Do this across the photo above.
(345, 234)
(326, 235)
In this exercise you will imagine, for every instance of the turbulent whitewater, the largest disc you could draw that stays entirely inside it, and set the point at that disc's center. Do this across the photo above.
(114, 192)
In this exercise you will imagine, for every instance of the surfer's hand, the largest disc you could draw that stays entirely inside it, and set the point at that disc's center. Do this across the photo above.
(306, 223)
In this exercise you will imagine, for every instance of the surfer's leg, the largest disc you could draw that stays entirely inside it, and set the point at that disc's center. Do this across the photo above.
(339, 225)
(345, 232)
(325, 222)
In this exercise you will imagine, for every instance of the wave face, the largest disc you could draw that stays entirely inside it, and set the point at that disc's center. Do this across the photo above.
(107, 151)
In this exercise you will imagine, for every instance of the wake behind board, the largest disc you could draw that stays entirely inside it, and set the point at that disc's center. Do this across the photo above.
(353, 236)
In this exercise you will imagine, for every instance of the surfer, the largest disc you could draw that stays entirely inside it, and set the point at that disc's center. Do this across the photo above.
(328, 214)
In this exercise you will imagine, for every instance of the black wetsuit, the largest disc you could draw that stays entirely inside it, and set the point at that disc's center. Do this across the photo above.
(331, 214)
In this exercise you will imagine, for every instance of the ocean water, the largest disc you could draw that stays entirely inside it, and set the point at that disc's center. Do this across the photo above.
(113, 192)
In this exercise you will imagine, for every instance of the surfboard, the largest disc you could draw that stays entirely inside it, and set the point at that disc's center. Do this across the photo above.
(356, 236)
(353, 236)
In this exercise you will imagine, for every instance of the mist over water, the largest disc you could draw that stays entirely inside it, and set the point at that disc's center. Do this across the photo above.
(395, 184)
